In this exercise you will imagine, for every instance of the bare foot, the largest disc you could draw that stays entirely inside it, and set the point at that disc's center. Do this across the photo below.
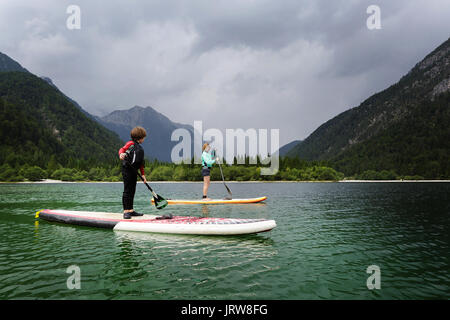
(206, 199)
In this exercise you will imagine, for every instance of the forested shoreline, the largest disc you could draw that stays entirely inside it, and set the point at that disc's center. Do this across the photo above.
(290, 169)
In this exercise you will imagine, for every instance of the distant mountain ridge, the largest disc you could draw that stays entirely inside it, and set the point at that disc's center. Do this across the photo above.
(404, 127)
(39, 124)
(158, 144)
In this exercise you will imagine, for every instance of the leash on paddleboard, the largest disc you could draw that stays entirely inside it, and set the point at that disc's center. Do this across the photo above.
(223, 180)
(159, 201)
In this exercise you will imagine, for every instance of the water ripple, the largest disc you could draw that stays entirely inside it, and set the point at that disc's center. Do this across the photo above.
(326, 237)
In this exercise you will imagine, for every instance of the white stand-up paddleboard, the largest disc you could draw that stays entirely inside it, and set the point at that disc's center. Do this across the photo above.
(216, 201)
(150, 223)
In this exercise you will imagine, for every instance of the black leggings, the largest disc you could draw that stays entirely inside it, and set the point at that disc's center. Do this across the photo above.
(129, 187)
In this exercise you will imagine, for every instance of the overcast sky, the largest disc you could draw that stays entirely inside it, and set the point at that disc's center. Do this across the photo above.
(280, 64)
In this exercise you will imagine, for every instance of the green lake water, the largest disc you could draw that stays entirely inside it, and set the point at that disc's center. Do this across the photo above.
(327, 235)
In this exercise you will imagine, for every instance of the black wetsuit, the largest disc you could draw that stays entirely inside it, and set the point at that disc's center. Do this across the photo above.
(133, 162)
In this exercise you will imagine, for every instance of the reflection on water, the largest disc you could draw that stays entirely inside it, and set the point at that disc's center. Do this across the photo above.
(205, 211)
(251, 241)
(251, 247)
(191, 260)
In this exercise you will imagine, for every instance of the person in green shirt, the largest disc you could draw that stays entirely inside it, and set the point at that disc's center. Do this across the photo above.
(208, 159)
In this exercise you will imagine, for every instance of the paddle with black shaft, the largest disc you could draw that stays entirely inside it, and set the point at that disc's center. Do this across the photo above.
(159, 201)
(223, 180)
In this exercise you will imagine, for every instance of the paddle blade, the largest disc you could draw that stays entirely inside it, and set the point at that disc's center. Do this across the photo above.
(160, 202)
(229, 192)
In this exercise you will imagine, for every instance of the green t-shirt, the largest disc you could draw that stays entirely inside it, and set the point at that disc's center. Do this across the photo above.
(207, 159)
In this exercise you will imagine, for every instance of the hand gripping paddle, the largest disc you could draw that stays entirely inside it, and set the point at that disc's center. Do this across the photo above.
(160, 202)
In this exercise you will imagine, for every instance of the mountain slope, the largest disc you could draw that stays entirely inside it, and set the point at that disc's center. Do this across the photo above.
(50, 82)
(158, 144)
(402, 128)
(411, 147)
(287, 147)
(8, 64)
(38, 123)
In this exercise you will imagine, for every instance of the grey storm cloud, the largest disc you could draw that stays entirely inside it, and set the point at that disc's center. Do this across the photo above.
(288, 65)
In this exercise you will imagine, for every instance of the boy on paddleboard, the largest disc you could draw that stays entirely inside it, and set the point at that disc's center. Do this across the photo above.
(132, 156)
